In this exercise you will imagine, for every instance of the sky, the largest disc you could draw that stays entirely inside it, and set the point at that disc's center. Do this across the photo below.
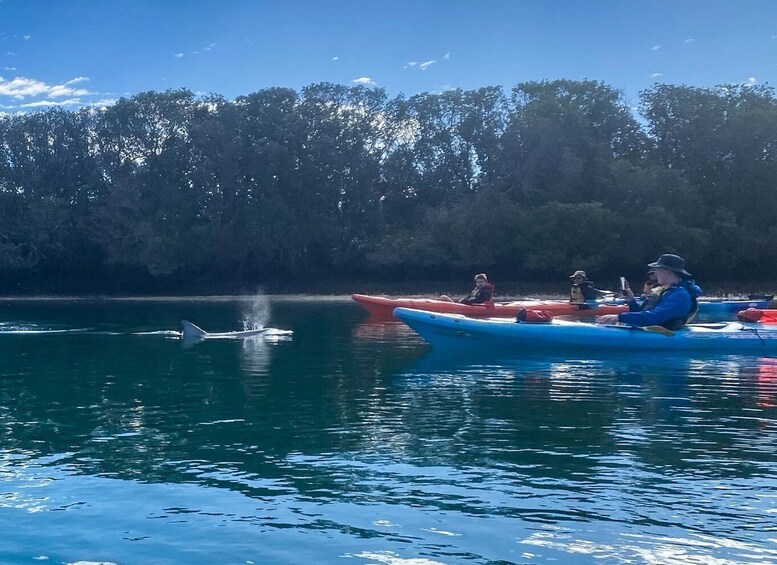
(72, 53)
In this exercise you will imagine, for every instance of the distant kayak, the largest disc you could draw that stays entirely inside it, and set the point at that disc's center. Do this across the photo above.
(382, 307)
(724, 309)
(710, 309)
(450, 331)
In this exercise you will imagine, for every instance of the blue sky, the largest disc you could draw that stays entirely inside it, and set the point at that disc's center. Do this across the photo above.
(71, 53)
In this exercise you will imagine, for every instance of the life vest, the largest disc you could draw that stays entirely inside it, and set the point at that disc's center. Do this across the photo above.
(576, 295)
(676, 323)
(477, 295)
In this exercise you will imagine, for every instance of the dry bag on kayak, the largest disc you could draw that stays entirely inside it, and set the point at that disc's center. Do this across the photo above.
(533, 316)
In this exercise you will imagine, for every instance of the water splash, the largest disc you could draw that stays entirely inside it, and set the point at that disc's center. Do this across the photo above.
(256, 313)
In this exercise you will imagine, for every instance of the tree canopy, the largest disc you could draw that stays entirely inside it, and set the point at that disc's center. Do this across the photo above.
(165, 187)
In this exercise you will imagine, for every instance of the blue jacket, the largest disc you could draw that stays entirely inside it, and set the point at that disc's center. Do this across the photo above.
(671, 311)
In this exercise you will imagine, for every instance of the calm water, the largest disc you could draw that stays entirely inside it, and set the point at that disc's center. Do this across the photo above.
(350, 443)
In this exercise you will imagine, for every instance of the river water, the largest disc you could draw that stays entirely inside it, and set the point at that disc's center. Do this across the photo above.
(351, 442)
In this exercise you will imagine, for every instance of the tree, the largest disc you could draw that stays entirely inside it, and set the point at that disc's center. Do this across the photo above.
(562, 139)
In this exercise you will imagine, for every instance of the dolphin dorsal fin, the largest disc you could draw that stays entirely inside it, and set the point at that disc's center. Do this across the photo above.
(190, 330)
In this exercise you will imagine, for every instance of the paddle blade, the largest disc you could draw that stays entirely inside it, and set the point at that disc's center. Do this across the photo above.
(658, 330)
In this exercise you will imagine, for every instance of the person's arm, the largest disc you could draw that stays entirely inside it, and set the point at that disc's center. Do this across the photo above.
(589, 292)
(470, 297)
(675, 303)
(628, 296)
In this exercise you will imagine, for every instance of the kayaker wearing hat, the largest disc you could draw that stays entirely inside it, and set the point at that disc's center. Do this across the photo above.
(651, 283)
(671, 305)
(583, 289)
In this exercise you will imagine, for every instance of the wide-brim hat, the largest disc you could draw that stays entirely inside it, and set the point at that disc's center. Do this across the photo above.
(672, 262)
(578, 274)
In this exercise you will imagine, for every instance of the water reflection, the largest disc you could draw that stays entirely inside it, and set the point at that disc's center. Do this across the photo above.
(355, 439)
(380, 330)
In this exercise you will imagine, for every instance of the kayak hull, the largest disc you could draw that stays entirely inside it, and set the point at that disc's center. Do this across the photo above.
(448, 331)
(382, 307)
(711, 309)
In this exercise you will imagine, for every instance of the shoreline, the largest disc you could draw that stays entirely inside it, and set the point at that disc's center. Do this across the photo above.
(301, 297)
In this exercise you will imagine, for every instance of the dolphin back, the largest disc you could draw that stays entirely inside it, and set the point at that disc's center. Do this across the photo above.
(189, 330)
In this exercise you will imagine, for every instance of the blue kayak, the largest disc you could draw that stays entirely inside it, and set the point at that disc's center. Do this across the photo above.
(454, 331)
(711, 309)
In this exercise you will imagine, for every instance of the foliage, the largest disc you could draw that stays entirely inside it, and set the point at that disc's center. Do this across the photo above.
(336, 180)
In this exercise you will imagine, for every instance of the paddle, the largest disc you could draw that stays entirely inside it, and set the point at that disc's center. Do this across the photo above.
(658, 330)
(652, 329)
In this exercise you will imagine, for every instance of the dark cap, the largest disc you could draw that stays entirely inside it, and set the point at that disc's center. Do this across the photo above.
(672, 262)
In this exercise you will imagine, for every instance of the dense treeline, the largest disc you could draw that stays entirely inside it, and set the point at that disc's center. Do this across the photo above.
(337, 181)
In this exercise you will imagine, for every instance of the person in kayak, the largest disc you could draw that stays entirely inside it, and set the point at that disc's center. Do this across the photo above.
(670, 305)
(651, 284)
(583, 289)
(483, 291)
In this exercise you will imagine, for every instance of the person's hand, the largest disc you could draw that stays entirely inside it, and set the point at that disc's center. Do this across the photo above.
(608, 319)
(626, 291)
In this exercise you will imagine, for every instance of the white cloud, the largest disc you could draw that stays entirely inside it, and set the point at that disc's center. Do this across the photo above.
(423, 66)
(208, 47)
(751, 81)
(335, 58)
(656, 47)
(103, 103)
(9, 68)
(656, 75)
(178, 55)
(689, 40)
(22, 87)
(27, 37)
(447, 56)
(39, 103)
(363, 80)
(62, 90)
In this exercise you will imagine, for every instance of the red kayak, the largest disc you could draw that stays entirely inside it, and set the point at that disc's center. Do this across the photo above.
(763, 315)
(382, 307)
